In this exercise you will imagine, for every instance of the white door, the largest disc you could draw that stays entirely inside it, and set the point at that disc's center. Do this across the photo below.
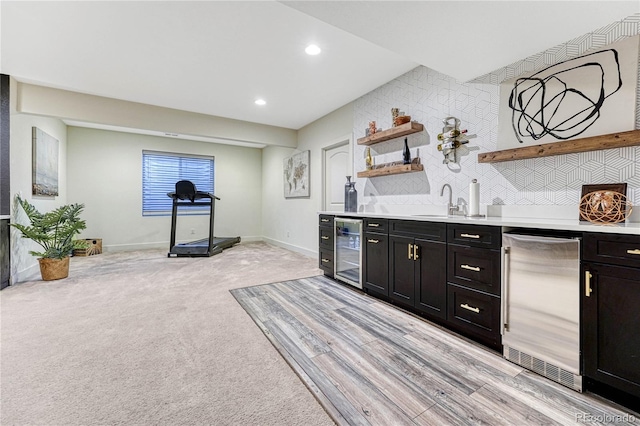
(336, 170)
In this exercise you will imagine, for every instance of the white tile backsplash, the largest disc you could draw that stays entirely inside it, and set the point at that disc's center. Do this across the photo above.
(429, 96)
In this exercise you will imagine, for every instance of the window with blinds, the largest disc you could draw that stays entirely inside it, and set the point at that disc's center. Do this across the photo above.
(161, 171)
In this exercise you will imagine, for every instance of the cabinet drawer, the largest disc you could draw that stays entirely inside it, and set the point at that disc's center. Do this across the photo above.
(326, 220)
(474, 267)
(325, 261)
(474, 235)
(616, 249)
(433, 231)
(376, 225)
(326, 237)
(474, 311)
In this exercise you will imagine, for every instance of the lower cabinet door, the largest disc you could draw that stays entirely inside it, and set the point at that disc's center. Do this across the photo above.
(376, 263)
(611, 325)
(431, 278)
(475, 312)
(401, 270)
(326, 261)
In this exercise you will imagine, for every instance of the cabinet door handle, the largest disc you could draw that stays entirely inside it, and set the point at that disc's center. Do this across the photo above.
(470, 308)
(324, 220)
(410, 251)
(470, 236)
(324, 237)
(373, 241)
(325, 261)
(374, 225)
(635, 251)
(587, 283)
(415, 252)
(471, 268)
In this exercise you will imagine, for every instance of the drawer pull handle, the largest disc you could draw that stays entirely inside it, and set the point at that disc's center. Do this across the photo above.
(325, 261)
(471, 268)
(470, 236)
(587, 283)
(324, 220)
(373, 241)
(636, 251)
(324, 237)
(470, 308)
(374, 225)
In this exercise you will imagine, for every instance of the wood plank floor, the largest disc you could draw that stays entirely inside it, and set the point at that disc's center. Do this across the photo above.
(369, 363)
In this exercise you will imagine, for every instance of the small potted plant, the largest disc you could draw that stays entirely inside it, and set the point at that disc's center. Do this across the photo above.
(54, 231)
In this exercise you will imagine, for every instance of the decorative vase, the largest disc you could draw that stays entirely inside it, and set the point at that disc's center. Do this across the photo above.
(406, 154)
(368, 159)
(350, 196)
(54, 269)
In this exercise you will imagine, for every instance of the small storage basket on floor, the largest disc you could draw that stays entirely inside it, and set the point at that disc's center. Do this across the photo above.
(94, 247)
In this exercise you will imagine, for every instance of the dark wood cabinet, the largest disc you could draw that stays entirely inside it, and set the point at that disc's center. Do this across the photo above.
(610, 319)
(417, 266)
(474, 278)
(376, 262)
(326, 244)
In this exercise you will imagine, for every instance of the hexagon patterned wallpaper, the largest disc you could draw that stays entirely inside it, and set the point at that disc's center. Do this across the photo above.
(428, 97)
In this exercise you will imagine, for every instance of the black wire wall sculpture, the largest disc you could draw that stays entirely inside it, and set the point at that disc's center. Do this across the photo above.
(565, 99)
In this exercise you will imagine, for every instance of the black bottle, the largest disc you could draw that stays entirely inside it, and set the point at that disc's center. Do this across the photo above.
(406, 154)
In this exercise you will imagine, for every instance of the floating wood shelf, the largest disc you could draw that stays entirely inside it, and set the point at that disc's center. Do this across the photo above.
(595, 143)
(391, 170)
(392, 133)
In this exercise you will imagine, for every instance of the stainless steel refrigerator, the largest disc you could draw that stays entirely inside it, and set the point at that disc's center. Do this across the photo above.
(541, 306)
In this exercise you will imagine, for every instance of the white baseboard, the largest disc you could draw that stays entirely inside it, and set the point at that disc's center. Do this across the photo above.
(30, 273)
(297, 249)
(161, 245)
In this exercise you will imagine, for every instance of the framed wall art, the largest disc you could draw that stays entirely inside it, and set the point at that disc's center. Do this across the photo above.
(45, 164)
(590, 95)
(296, 175)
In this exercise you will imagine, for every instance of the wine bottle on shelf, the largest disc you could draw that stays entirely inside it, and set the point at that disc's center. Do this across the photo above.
(406, 154)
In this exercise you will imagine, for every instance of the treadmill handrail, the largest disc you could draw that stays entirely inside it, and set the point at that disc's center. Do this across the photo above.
(198, 195)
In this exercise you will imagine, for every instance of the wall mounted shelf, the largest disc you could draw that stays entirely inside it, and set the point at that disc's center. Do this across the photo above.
(594, 143)
(392, 133)
(391, 170)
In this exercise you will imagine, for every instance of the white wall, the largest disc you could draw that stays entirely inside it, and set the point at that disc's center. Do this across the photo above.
(105, 173)
(547, 186)
(293, 222)
(23, 265)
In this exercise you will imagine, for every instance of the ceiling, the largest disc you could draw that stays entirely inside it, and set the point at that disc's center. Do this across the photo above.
(218, 57)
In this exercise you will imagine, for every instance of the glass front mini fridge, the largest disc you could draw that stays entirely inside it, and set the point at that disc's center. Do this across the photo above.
(348, 253)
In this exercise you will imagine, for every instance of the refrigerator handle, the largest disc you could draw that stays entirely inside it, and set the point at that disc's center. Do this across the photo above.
(504, 284)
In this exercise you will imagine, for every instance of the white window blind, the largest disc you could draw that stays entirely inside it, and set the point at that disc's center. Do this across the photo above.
(161, 171)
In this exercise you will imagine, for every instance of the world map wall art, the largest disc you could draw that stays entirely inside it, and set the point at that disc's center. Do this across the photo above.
(590, 95)
(296, 175)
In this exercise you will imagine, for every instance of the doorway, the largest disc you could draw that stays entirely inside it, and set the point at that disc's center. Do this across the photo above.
(337, 165)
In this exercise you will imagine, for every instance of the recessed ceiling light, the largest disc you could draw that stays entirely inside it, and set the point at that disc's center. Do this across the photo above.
(312, 49)
(261, 102)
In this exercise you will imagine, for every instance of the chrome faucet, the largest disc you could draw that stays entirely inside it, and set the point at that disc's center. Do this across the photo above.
(450, 207)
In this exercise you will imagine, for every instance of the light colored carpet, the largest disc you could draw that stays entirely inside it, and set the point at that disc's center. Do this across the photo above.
(137, 338)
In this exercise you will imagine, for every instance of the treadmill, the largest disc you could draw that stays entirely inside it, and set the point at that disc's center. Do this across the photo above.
(186, 195)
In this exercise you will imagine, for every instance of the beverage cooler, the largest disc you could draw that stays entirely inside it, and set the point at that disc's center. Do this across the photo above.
(348, 251)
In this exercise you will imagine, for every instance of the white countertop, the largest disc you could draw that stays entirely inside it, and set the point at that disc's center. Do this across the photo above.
(5, 216)
(632, 228)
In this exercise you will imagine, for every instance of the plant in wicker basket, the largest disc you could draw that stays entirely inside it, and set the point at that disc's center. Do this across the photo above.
(54, 231)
